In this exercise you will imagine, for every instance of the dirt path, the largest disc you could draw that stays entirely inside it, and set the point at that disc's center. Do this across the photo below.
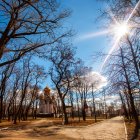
(43, 129)
(112, 129)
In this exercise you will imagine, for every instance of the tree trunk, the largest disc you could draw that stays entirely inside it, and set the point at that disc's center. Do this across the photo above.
(135, 115)
(95, 113)
(124, 107)
(84, 114)
(1, 108)
(134, 112)
(134, 58)
(65, 121)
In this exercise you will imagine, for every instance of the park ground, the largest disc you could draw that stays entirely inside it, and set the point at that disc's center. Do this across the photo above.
(52, 129)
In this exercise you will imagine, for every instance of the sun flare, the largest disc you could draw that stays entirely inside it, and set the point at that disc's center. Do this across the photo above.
(120, 30)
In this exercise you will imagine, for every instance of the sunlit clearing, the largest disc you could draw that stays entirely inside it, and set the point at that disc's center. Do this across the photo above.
(120, 30)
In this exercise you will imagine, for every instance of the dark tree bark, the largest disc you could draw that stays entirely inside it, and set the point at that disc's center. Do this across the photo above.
(133, 109)
(20, 29)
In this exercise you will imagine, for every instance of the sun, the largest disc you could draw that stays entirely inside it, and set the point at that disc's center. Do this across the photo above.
(120, 30)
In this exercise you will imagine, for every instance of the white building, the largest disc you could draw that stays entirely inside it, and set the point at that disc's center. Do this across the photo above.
(46, 106)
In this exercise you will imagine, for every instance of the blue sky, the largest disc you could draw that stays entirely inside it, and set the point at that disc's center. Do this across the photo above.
(83, 21)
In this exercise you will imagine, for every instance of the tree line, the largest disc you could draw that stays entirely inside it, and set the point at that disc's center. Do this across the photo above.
(123, 67)
(32, 29)
(35, 28)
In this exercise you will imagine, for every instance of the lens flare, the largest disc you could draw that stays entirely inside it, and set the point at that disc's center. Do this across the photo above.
(120, 30)
(110, 52)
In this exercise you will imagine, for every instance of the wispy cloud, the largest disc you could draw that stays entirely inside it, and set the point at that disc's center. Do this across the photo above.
(90, 35)
(97, 79)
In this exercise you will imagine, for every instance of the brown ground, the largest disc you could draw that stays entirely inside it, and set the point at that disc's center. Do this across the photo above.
(40, 129)
(46, 129)
(111, 129)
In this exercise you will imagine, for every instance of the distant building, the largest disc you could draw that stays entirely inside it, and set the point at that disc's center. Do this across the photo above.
(46, 106)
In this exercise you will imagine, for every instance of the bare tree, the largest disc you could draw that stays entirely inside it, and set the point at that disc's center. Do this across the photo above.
(123, 81)
(62, 59)
(124, 71)
(5, 75)
(27, 26)
(83, 86)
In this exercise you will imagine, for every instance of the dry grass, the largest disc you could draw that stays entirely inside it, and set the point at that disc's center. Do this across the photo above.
(55, 121)
(82, 123)
(9, 124)
(75, 121)
(130, 129)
